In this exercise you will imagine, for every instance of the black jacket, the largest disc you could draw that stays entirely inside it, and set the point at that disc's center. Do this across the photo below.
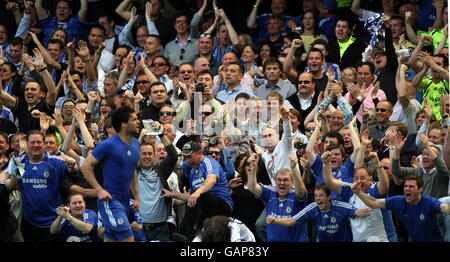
(351, 56)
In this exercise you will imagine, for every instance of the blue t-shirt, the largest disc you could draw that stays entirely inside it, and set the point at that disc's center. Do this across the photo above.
(73, 27)
(74, 235)
(332, 225)
(283, 209)
(41, 189)
(419, 220)
(345, 173)
(347, 194)
(198, 176)
(119, 162)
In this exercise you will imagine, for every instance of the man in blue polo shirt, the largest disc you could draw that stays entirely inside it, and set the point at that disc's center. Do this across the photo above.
(233, 74)
(209, 193)
(417, 211)
(118, 156)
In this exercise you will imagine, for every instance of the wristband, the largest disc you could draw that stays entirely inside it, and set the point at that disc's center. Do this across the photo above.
(69, 218)
(42, 69)
(161, 135)
(380, 166)
(85, 61)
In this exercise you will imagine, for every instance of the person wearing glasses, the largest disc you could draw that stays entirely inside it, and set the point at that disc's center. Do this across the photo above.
(281, 200)
(305, 99)
(183, 48)
(214, 147)
(383, 112)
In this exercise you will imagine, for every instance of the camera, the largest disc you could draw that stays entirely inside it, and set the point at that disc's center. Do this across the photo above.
(299, 144)
(213, 141)
(200, 87)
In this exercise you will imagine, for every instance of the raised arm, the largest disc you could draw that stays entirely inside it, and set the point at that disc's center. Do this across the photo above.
(48, 81)
(439, 6)
(46, 55)
(403, 96)
(122, 11)
(40, 10)
(428, 60)
(409, 29)
(331, 182)
(83, 10)
(251, 22)
(288, 65)
(300, 188)
(356, 8)
(446, 150)
(383, 180)
(68, 141)
(443, 41)
(123, 74)
(8, 100)
(83, 52)
(253, 185)
(310, 147)
(231, 32)
(368, 200)
(80, 118)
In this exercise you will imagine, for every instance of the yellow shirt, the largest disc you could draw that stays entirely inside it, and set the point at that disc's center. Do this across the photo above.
(343, 46)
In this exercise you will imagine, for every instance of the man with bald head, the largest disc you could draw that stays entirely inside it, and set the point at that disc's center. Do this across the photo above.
(383, 112)
(306, 97)
(201, 64)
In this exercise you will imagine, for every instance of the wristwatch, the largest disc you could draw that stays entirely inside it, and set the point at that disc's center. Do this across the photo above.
(69, 218)
(359, 98)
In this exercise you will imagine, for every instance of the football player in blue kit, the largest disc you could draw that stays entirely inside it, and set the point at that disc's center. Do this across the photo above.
(417, 211)
(118, 157)
(331, 216)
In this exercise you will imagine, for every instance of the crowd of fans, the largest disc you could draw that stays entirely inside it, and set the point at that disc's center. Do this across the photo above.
(319, 121)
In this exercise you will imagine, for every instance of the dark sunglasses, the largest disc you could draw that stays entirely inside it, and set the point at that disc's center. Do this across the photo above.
(158, 64)
(304, 82)
(309, 129)
(205, 35)
(187, 71)
(181, 53)
(213, 153)
(166, 113)
(142, 82)
(381, 110)
(206, 113)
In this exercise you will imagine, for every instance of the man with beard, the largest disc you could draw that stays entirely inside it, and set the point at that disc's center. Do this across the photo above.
(119, 157)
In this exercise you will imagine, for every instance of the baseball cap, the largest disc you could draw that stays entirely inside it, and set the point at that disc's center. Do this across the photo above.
(377, 51)
(121, 89)
(190, 147)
